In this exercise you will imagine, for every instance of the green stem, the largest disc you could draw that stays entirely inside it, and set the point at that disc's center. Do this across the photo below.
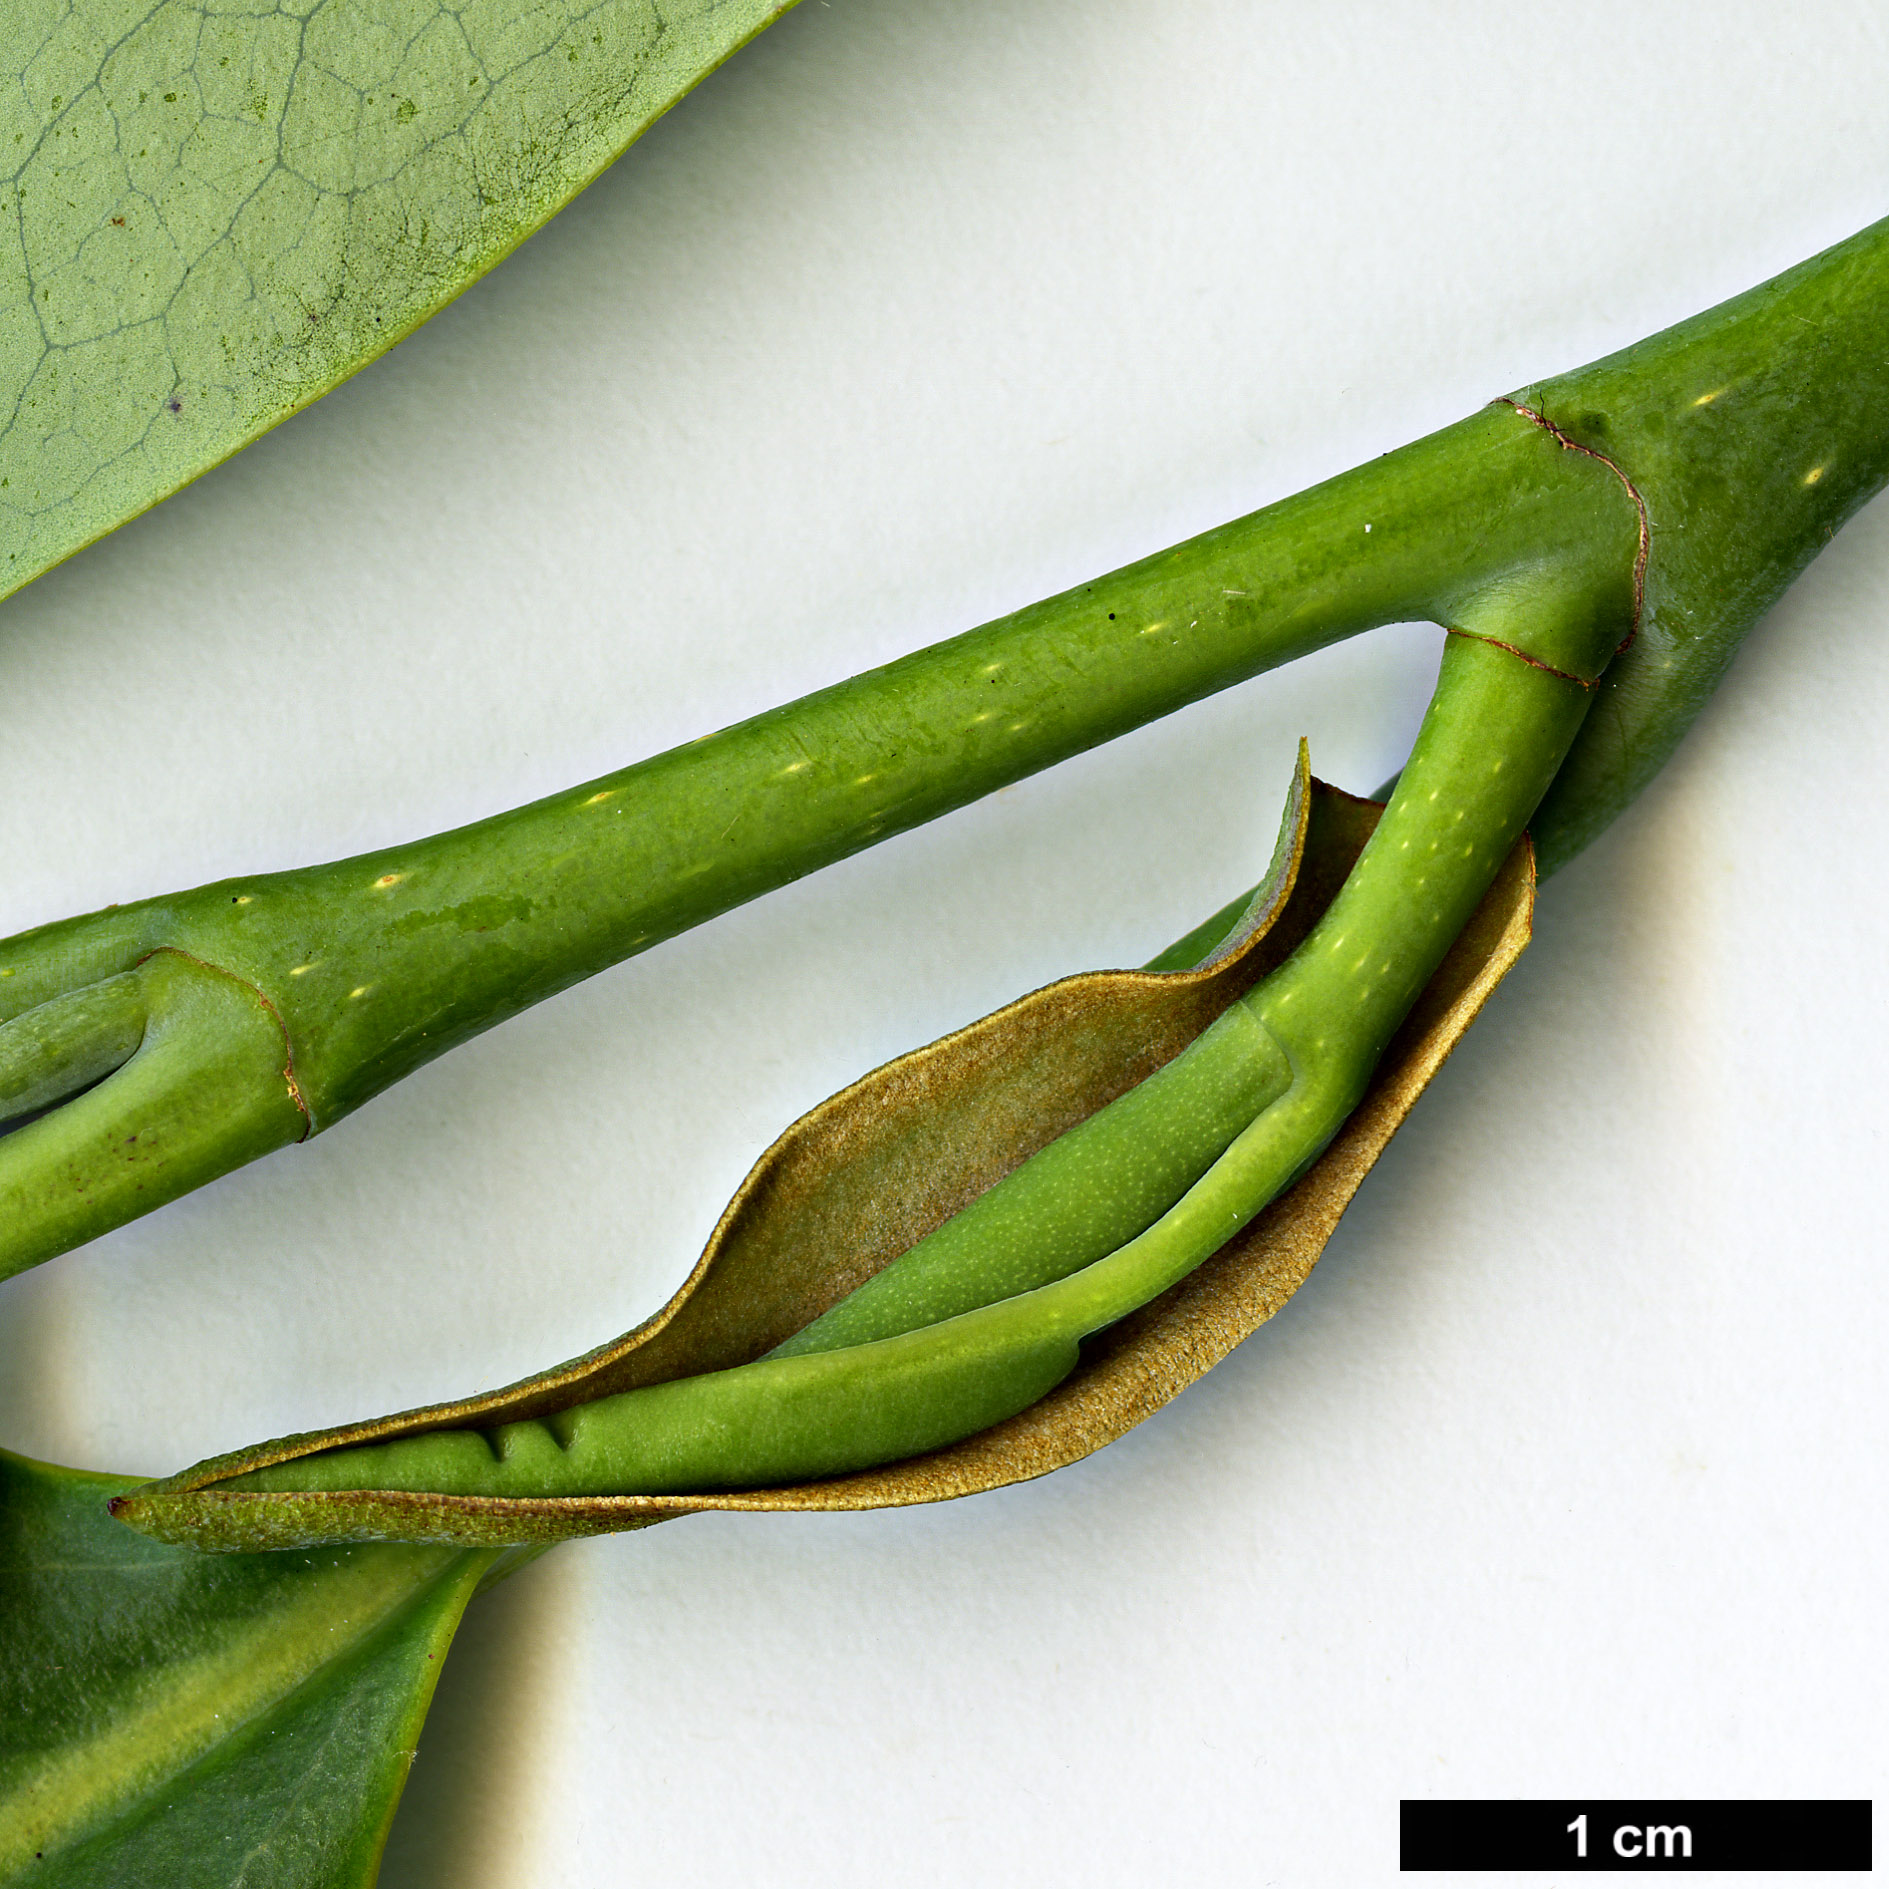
(1737, 442)
(370, 967)
(1751, 432)
(382, 962)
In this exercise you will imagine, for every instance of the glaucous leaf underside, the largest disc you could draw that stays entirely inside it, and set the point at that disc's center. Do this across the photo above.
(213, 211)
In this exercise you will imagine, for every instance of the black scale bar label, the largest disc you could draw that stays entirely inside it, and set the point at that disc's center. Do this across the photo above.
(1654, 1833)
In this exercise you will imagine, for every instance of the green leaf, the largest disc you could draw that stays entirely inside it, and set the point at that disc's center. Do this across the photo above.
(209, 217)
(174, 1718)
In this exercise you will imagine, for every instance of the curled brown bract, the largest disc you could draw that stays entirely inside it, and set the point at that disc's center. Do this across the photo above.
(857, 1180)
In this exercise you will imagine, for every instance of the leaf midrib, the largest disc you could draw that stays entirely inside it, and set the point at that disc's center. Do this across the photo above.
(53, 1800)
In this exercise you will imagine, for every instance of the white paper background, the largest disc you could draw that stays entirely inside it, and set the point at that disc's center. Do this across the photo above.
(1563, 1473)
